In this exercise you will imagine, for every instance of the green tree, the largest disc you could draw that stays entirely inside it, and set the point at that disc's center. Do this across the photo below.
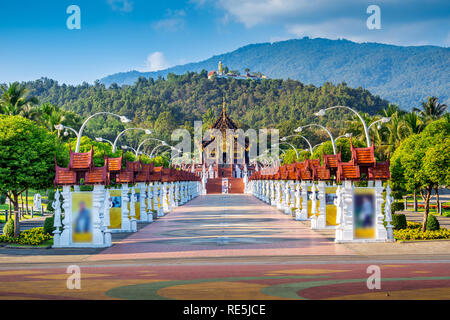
(422, 162)
(14, 100)
(27, 153)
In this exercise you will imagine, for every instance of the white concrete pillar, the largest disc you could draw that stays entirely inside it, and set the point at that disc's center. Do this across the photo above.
(126, 222)
(380, 230)
(57, 220)
(143, 217)
(107, 205)
(133, 210)
(321, 221)
(66, 235)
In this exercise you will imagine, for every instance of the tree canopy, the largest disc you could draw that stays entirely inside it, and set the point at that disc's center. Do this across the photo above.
(422, 161)
(27, 153)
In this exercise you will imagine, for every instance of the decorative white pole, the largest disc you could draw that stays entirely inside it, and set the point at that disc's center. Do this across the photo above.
(142, 208)
(280, 195)
(160, 200)
(380, 232)
(344, 232)
(304, 195)
(98, 198)
(388, 213)
(106, 219)
(132, 210)
(126, 223)
(177, 194)
(338, 202)
(287, 198)
(313, 199)
(321, 221)
(66, 235)
(57, 222)
(166, 207)
(149, 203)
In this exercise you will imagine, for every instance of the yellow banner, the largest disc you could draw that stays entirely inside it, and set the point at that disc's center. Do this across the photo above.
(330, 195)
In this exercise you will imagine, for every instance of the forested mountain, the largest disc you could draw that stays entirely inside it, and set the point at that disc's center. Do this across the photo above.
(165, 104)
(402, 75)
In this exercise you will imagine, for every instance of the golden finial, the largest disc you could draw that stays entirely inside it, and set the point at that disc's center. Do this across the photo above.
(223, 109)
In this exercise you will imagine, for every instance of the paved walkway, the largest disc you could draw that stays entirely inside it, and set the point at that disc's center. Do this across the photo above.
(223, 226)
(228, 247)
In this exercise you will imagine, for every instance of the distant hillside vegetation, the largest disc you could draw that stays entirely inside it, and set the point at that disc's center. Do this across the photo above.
(402, 75)
(167, 104)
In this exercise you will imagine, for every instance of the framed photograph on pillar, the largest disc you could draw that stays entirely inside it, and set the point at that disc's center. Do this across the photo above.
(330, 196)
(364, 213)
(82, 219)
(115, 213)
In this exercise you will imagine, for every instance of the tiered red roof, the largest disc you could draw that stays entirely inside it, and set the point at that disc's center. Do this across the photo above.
(363, 165)
(81, 167)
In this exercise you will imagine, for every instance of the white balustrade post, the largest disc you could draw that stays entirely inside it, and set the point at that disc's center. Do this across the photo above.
(98, 198)
(321, 221)
(287, 192)
(279, 195)
(126, 223)
(380, 232)
(344, 231)
(160, 206)
(313, 199)
(304, 196)
(107, 205)
(338, 202)
(148, 207)
(165, 190)
(66, 235)
(57, 220)
(142, 208)
(388, 213)
(133, 211)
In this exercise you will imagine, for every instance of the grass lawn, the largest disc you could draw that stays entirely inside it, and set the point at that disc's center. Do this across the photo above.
(445, 213)
(24, 217)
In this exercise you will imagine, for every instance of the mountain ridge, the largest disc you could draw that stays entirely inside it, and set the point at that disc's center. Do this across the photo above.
(404, 75)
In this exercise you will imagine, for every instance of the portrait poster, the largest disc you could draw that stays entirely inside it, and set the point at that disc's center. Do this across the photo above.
(224, 185)
(364, 213)
(115, 213)
(82, 217)
(330, 196)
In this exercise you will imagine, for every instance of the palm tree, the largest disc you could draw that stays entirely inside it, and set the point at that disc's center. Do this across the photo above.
(50, 115)
(412, 122)
(14, 100)
(432, 109)
(391, 110)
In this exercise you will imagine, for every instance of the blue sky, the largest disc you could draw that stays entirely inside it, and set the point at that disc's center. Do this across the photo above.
(123, 35)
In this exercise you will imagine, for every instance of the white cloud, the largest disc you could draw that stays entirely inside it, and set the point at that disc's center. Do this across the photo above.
(121, 5)
(408, 24)
(253, 12)
(173, 22)
(156, 61)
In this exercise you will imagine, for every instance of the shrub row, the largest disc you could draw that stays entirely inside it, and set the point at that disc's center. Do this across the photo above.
(414, 232)
(34, 237)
